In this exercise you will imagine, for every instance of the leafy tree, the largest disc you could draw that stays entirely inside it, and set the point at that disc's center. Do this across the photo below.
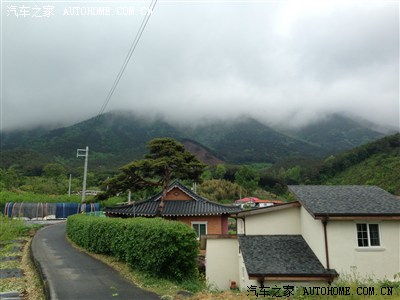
(247, 178)
(10, 178)
(207, 175)
(219, 190)
(54, 170)
(293, 174)
(219, 172)
(167, 159)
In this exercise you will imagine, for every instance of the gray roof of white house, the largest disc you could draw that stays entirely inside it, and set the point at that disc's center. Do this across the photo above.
(346, 200)
(280, 255)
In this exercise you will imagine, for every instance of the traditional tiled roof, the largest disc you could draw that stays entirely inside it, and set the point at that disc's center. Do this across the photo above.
(280, 256)
(346, 200)
(198, 206)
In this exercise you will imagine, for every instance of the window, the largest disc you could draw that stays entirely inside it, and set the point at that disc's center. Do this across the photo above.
(368, 235)
(200, 228)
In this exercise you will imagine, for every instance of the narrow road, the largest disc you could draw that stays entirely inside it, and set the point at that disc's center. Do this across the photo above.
(70, 274)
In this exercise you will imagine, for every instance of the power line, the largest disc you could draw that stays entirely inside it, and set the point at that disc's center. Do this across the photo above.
(128, 56)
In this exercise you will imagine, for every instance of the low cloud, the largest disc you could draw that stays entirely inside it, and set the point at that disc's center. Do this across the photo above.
(283, 63)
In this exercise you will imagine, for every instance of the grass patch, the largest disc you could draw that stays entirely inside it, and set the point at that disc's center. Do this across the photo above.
(11, 229)
(29, 285)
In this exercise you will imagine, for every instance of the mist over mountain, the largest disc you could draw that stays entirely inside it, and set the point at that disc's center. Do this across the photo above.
(117, 138)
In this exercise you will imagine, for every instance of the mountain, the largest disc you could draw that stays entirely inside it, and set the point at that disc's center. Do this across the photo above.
(115, 139)
(247, 140)
(338, 133)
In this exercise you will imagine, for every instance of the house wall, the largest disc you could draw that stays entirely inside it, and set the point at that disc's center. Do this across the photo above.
(214, 223)
(244, 281)
(366, 262)
(222, 262)
(313, 232)
(285, 221)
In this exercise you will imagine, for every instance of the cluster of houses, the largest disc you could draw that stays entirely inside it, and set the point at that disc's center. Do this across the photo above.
(328, 231)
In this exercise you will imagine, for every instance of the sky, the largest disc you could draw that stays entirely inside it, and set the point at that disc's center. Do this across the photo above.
(286, 63)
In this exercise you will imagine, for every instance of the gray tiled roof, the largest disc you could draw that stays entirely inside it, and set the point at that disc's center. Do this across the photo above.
(280, 255)
(199, 206)
(347, 200)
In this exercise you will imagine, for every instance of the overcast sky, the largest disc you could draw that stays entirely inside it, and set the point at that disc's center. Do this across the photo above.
(283, 62)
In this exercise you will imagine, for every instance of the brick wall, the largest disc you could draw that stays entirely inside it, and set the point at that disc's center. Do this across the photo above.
(214, 223)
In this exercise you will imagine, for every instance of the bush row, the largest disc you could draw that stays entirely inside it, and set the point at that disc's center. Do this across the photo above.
(156, 246)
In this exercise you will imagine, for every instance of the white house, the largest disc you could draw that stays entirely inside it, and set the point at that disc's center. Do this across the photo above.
(329, 231)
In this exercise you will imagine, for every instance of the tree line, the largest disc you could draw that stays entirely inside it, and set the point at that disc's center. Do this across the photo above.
(167, 159)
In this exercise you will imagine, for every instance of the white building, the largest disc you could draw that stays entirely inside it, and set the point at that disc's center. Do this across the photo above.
(329, 231)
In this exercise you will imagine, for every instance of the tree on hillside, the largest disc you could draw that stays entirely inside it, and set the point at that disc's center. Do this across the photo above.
(220, 171)
(247, 178)
(167, 159)
(54, 170)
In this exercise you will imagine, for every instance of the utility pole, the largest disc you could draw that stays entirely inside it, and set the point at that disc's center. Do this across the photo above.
(69, 185)
(85, 153)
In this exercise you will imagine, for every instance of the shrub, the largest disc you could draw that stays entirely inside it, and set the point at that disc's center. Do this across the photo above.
(156, 246)
(11, 229)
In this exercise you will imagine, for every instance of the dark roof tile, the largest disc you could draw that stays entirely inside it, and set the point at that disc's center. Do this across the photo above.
(346, 200)
(280, 255)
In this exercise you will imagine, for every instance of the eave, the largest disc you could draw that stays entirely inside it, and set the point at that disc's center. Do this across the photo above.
(262, 210)
(352, 217)
(166, 215)
(293, 277)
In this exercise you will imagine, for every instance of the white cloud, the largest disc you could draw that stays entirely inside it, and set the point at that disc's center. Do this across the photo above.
(287, 62)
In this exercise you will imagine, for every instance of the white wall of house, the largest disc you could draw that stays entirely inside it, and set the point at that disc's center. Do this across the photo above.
(225, 262)
(284, 221)
(377, 262)
(244, 281)
(222, 262)
(313, 233)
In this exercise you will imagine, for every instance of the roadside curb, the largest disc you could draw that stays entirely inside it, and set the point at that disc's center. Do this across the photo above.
(38, 267)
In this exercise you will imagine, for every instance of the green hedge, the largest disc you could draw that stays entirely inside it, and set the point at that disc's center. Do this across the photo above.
(156, 246)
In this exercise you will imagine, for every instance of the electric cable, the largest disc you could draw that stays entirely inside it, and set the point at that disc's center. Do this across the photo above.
(128, 56)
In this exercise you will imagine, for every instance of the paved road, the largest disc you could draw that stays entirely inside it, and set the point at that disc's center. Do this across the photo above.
(70, 274)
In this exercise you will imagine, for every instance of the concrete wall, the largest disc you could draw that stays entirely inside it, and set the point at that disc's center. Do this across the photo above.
(285, 221)
(222, 262)
(313, 233)
(364, 262)
(244, 281)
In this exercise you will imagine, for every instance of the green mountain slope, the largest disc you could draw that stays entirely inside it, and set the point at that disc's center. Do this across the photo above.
(249, 141)
(379, 169)
(115, 139)
(376, 163)
(338, 133)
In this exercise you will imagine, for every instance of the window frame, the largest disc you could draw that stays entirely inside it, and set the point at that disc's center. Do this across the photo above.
(199, 223)
(368, 231)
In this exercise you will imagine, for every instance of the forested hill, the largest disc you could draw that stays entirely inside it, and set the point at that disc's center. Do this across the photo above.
(117, 138)
(338, 133)
(376, 163)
